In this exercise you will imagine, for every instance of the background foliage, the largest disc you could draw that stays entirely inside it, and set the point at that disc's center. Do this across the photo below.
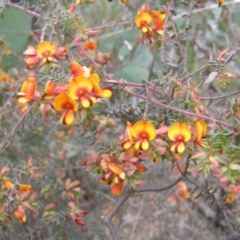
(59, 151)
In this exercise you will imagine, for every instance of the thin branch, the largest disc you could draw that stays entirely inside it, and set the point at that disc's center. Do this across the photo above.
(162, 52)
(194, 73)
(29, 12)
(128, 193)
(89, 57)
(37, 229)
(108, 218)
(111, 25)
(10, 135)
(175, 109)
(187, 27)
(175, 32)
(219, 97)
(214, 200)
(150, 93)
(159, 189)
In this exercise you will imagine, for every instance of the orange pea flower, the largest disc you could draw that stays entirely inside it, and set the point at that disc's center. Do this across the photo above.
(143, 20)
(28, 91)
(7, 184)
(20, 215)
(78, 70)
(60, 53)
(25, 188)
(99, 92)
(180, 134)
(139, 135)
(80, 88)
(158, 21)
(52, 89)
(220, 2)
(150, 21)
(90, 45)
(201, 131)
(129, 141)
(117, 189)
(45, 51)
(143, 132)
(126, 2)
(230, 198)
(182, 190)
(64, 103)
(31, 57)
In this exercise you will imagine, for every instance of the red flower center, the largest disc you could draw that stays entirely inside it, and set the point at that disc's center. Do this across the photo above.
(46, 53)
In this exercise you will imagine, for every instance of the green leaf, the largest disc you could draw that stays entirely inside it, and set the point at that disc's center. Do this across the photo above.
(133, 72)
(15, 28)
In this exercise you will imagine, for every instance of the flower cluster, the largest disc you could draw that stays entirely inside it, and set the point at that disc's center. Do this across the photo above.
(44, 53)
(22, 194)
(82, 91)
(142, 141)
(150, 22)
(180, 134)
(181, 192)
(233, 193)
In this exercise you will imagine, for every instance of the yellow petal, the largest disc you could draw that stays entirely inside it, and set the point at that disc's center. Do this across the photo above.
(180, 147)
(145, 145)
(129, 127)
(64, 101)
(116, 169)
(143, 129)
(76, 68)
(49, 88)
(143, 19)
(45, 49)
(79, 86)
(204, 127)
(24, 187)
(94, 78)
(199, 130)
(179, 132)
(127, 144)
(116, 189)
(106, 93)
(85, 102)
(67, 117)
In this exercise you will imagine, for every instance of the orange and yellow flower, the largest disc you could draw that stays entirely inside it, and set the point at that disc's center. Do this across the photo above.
(20, 215)
(143, 21)
(201, 131)
(179, 133)
(150, 21)
(28, 91)
(60, 53)
(7, 184)
(139, 135)
(64, 103)
(80, 88)
(143, 132)
(90, 45)
(78, 70)
(25, 188)
(158, 21)
(113, 174)
(45, 51)
(220, 2)
(52, 90)
(31, 57)
(230, 198)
